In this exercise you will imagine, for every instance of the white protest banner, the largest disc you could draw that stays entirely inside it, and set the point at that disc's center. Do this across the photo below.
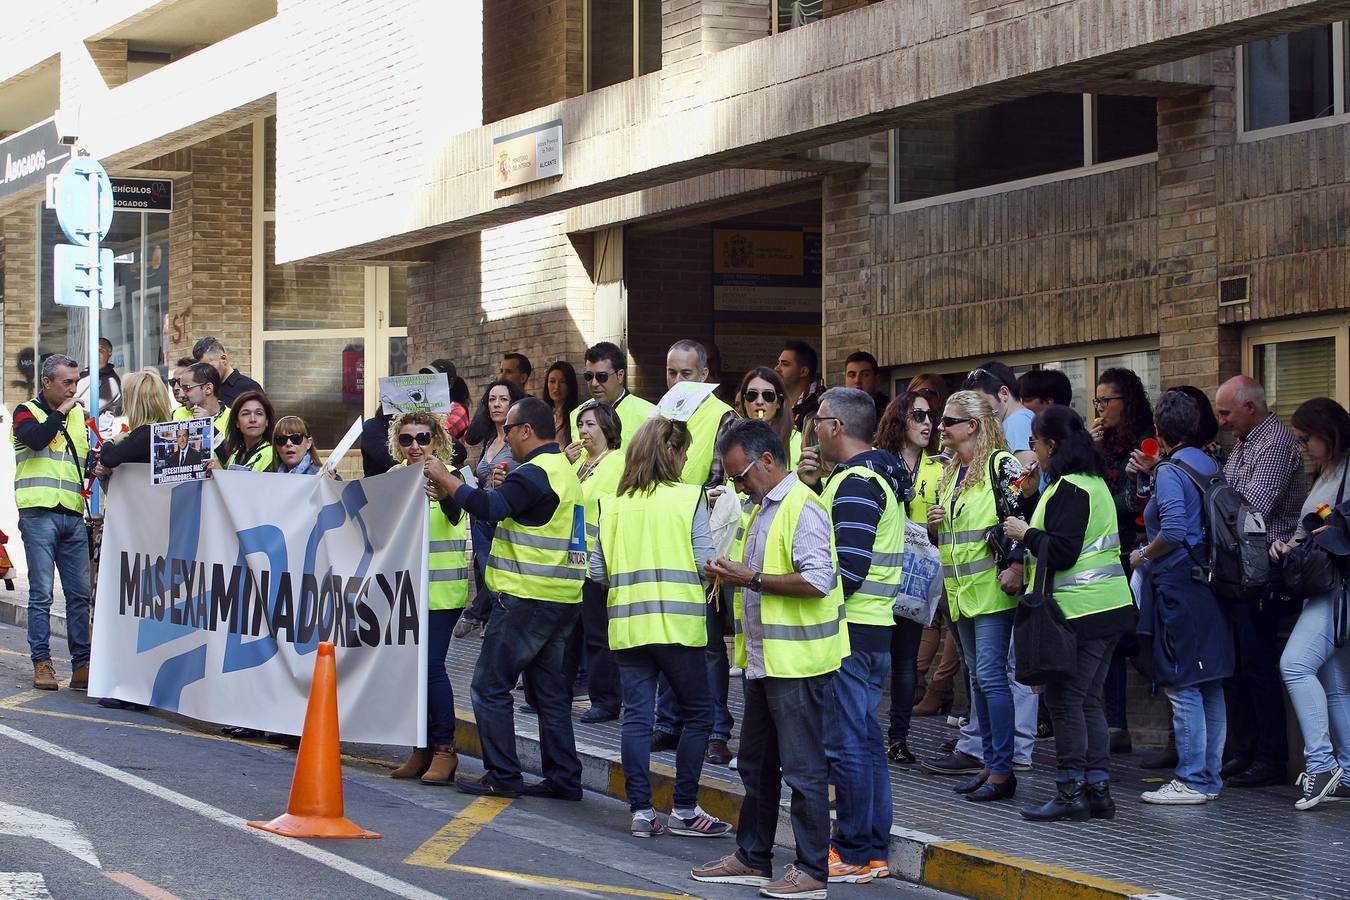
(415, 393)
(213, 596)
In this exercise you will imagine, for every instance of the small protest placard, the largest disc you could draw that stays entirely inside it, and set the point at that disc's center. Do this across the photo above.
(415, 393)
(681, 401)
(181, 450)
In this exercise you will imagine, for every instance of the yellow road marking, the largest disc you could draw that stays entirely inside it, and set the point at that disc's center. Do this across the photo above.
(457, 832)
(561, 882)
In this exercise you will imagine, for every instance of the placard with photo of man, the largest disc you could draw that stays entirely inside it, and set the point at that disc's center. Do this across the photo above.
(181, 450)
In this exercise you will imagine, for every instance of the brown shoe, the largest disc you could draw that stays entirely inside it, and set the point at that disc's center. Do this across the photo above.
(415, 766)
(444, 762)
(79, 679)
(730, 870)
(795, 885)
(44, 676)
(930, 705)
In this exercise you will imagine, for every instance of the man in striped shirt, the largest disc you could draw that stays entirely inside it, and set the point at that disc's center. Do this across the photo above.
(854, 744)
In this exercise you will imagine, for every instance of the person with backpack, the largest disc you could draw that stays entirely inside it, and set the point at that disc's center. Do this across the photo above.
(1266, 468)
(1179, 615)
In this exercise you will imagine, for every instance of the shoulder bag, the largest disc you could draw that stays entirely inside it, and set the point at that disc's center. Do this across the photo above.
(1309, 569)
(1045, 647)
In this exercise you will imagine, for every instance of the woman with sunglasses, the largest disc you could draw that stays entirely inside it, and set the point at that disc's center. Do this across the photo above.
(599, 470)
(248, 439)
(1317, 671)
(762, 395)
(294, 452)
(979, 480)
(414, 438)
(908, 430)
(1073, 534)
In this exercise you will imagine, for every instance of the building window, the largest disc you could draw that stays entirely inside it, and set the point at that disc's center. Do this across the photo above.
(788, 14)
(1295, 371)
(139, 320)
(1019, 142)
(623, 40)
(1289, 78)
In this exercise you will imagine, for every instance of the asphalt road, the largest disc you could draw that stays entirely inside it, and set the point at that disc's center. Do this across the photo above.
(98, 803)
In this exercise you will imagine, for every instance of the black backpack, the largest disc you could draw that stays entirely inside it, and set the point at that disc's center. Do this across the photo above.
(1238, 569)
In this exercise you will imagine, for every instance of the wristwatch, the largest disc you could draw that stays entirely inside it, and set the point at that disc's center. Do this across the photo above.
(757, 582)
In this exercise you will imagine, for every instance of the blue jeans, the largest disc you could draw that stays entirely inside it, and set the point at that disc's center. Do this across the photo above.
(782, 739)
(1026, 708)
(668, 713)
(1200, 724)
(639, 668)
(1317, 674)
(526, 637)
(440, 695)
(59, 542)
(853, 744)
(984, 646)
(905, 637)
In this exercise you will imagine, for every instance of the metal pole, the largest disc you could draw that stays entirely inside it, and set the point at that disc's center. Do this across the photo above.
(95, 384)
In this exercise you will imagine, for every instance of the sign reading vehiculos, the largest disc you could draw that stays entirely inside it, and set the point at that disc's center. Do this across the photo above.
(213, 597)
(528, 155)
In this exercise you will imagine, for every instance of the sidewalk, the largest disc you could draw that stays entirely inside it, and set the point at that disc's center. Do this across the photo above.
(1251, 843)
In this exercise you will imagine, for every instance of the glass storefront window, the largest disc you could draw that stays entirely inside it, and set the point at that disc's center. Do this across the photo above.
(137, 322)
(1294, 371)
(1144, 363)
(398, 299)
(320, 379)
(611, 44)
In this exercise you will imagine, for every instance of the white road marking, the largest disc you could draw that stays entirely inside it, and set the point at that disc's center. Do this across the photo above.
(23, 886)
(63, 834)
(337, 863)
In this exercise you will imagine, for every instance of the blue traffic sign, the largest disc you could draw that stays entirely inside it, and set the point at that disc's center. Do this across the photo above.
(76, 283)
(84, 200)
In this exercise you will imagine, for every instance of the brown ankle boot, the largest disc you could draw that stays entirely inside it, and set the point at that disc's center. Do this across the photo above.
(930, 705)
(44, 676)
(79, 679)
(415, 766)
(443, 765)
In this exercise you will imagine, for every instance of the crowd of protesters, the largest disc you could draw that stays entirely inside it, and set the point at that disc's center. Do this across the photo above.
(1069, 548)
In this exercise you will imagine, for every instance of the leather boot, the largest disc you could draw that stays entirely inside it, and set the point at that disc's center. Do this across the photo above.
(1100, 802)
(443, 765)
(1070, 802)
(44, 676)
(415, 766)
(930, 705)
(79, 679)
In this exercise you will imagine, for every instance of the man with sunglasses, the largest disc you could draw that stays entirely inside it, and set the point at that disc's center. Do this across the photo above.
(536, 568)
(606, 378)
(183, 411)
(791, 639)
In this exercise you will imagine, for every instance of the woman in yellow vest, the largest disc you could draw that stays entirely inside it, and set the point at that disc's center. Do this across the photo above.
(415, 437)
(653, 544)
(248, 438)
(908, 429)
(1074, 534)
(598, 469)
(981, 590)
(762, 395)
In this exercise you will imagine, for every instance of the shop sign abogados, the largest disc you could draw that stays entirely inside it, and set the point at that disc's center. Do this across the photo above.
(529, 155)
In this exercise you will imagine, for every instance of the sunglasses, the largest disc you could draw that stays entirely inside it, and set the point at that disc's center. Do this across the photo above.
(296, 439)
(506, 429)
(601, 377)
(737, 479)
(769, 396)
(921, 416)
(423, 438)
(950, 422)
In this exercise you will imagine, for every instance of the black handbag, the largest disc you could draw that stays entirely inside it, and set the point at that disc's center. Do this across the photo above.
(999, 544)
(1309, 568)
(1045, 647)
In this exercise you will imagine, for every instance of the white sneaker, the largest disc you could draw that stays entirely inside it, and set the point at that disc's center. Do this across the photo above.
(1174, 793)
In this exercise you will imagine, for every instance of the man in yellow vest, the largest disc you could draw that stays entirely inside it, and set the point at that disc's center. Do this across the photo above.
(606, 378)
(51, 457)
(790, 639)
(864, 495)
(201, 386)
(536, 567)
(688, 361)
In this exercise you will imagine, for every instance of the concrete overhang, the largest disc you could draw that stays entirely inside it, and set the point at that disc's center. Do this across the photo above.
(847, 76)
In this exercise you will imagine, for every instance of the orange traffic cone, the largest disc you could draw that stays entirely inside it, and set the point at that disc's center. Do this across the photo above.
(315, 807)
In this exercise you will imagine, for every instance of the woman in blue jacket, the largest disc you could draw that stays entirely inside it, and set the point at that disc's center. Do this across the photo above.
(1192, 639)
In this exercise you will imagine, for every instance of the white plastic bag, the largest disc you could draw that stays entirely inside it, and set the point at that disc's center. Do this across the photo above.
(920, 577)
